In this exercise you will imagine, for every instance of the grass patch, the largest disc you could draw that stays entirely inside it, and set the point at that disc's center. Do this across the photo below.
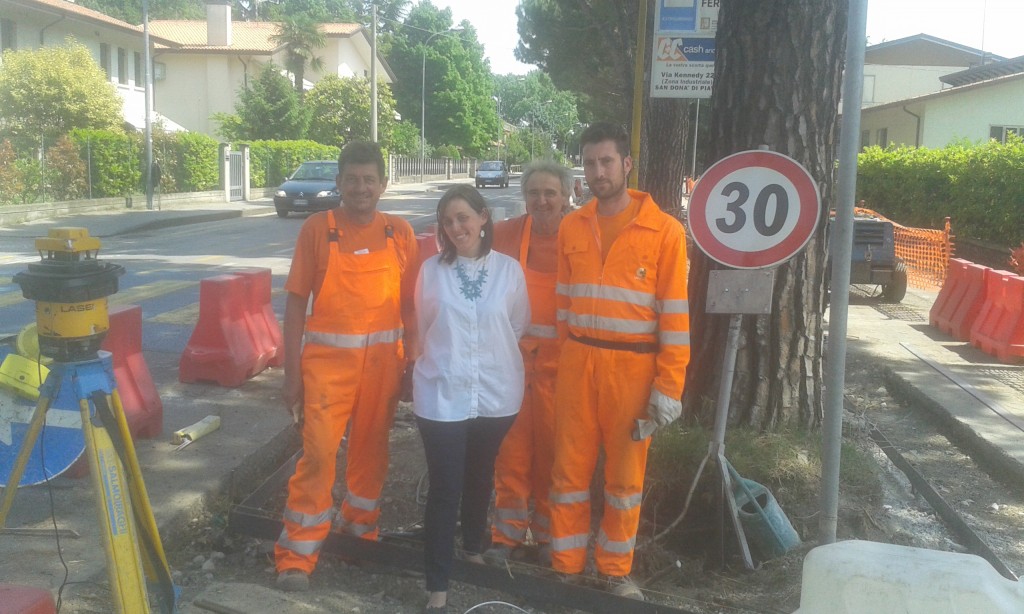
(788, 463)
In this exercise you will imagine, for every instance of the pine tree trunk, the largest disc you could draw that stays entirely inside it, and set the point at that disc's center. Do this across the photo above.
(778, 73)
(663, 150)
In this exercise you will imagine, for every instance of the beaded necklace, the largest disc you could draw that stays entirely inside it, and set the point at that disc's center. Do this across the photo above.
(471, 289)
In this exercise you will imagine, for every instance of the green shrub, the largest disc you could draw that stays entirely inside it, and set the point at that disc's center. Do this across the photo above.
(113, 160)
(270, 162)
(977, 186)
(12, 182)
(447, 151)
(65, 171)
(197, 161)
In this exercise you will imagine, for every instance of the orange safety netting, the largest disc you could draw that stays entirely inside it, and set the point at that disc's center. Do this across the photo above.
(925, 251)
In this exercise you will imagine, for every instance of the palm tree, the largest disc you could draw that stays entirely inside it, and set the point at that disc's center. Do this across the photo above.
(302, 37)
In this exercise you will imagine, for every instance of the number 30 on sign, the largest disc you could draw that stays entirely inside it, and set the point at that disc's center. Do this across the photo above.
(754, 209)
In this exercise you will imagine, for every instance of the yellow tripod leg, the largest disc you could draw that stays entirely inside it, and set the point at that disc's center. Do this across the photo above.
(140, 498)
(35, 425)
(124, 562)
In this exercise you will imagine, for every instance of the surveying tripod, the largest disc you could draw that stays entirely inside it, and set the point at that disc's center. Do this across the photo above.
(71, 316)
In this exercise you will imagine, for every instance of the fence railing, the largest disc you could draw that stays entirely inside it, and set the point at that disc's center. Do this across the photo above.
(407, 169)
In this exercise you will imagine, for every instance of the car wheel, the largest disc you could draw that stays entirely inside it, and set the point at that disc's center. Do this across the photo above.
(896, 289)
(282, 213)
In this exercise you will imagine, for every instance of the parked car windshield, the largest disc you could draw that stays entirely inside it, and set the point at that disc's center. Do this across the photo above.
(323, 171)
(490, 166)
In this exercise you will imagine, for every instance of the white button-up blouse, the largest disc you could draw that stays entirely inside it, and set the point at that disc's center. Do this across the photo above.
(470, 365)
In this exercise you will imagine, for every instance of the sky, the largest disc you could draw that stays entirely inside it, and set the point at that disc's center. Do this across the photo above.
(994, 24)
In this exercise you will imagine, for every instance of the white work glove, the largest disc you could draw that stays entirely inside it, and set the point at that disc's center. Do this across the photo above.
(663, 409)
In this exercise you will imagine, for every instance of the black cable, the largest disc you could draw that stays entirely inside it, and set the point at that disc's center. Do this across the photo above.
(49, 489)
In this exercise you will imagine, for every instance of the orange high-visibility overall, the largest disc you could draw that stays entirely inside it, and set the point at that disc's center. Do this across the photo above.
(627, 324)
(523, 468)
(352, 363)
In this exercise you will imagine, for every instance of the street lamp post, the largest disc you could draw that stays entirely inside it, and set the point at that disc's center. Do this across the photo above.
(501, 131)
(423, 96)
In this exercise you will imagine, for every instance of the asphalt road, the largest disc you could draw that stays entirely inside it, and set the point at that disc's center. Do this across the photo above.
(163, 267)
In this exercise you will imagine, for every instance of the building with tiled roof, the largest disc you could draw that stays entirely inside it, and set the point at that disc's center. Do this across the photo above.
(208, 62)
(199, 65)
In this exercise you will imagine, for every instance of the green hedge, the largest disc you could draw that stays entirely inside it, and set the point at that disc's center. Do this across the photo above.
(115, 162)
(112, 159)
(980, 187)
(271, 161)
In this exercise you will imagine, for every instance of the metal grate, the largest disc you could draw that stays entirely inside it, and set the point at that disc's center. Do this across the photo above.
(900, 312)
(1014, 378)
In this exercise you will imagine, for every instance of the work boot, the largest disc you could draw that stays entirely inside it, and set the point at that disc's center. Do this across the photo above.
(293, 581)
(498, 555)
(623, 586)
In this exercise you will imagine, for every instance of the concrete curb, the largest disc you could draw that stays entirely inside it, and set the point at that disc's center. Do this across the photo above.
(962, 417)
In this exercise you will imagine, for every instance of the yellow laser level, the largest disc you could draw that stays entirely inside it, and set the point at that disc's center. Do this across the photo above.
(70, 287)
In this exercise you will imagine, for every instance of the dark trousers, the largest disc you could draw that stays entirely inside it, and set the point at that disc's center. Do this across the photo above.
(460, 462)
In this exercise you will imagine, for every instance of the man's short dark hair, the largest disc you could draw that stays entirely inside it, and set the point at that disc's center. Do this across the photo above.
(362, 152)
(606, 131)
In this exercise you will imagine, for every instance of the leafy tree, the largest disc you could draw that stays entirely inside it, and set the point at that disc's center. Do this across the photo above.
(589, 48)
(65, 170)
(131, 10)
(459, 107)
(302, 37)
(321, 11)
(405, 139)
(533, 100)
(270, 109)
(340, 110)
(47, 92)
(778, 86)
(12, 182)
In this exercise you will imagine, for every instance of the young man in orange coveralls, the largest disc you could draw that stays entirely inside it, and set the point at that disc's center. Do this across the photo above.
(622, 308)
(359, 266)
(523, 470)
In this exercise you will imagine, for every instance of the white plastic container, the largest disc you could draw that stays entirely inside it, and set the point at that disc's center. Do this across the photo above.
(859, 577)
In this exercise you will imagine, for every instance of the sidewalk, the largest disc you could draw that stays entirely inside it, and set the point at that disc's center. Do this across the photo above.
(189, 487)
(978, 400)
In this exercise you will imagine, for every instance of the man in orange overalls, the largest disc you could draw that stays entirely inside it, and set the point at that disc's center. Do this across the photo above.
(358, 264)
(522, 472)
(622, 308)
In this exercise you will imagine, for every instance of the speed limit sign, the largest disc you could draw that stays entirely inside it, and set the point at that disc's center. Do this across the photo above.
(754, 209)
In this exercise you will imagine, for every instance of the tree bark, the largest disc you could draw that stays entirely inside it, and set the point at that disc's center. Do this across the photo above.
(663, 151)
(778, 73)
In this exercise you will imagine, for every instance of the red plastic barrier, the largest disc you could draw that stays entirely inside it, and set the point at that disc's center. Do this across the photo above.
(265, 327)
(952, 292)
(428, 245)
(969, 306)
(999, 330)
(221, 349)
(25, 600)
(142, 406)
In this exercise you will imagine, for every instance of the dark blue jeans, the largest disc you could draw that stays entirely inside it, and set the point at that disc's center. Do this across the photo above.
(460, 462)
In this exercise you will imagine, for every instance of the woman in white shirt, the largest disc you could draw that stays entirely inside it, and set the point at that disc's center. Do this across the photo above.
(472, 308)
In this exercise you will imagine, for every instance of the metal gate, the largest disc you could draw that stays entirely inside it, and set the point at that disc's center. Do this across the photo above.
(235, 175)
